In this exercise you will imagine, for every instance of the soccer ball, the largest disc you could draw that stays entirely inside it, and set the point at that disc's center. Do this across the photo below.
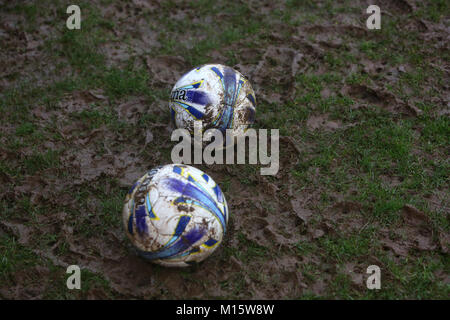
(219, 96)
(175, 215)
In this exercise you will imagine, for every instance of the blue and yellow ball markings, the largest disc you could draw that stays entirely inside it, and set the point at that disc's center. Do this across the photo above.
(218, 193)
(190, 202)
(195, 194)
(181, 242)
(141, 225)
(133, 187)
(190, 178)
(228, 82)
(252, 99)
(194, 85)
(191, 110)
(172, 114)
(210, 243)
(177, 246)
(130, 218)
(216, 188)
(182, 96)
(179, 229)
(149, 207)
(219, 74)
(172, 246)
(178, 170)
(139, 214)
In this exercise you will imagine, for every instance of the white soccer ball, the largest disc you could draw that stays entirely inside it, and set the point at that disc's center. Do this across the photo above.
(175, 215)
(219, 96)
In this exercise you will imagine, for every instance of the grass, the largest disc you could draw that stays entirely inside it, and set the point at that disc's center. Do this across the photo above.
(40, 161)
(378, 159)
(14, 256)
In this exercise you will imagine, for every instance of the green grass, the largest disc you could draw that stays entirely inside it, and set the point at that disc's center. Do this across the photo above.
(379, 159)
(433, 11)
(250, 250)
(120, 83)
(40, 161)
(344, 249)
(14, 257)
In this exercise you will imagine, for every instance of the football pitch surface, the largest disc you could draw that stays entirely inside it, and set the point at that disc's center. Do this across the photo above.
(363, 117)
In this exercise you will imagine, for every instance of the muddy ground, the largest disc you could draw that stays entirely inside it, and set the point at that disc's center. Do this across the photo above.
(364, 124)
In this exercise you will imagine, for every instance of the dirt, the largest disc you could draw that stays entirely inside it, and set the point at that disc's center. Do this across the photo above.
(272, 214)
(323, 123)
(414, 233)
(382, 97)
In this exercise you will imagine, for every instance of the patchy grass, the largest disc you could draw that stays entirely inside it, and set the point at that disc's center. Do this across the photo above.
(360, 152)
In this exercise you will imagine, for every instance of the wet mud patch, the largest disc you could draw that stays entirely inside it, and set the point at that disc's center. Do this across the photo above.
(166, 69)
(382, 98)
(415, 232)
(287, 235)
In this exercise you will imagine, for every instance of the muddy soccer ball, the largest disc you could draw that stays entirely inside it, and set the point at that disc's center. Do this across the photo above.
(218, 95)
(175, 215)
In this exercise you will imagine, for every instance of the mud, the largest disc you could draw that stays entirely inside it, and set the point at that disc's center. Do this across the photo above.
(270, 217)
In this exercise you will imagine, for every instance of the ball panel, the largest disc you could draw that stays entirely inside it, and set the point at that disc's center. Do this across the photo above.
(175, 215)
(218, 95)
